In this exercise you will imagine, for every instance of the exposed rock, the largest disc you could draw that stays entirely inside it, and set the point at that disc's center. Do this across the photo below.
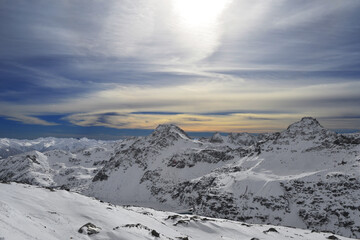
(271, 230)
(89, 229)
(155, 233)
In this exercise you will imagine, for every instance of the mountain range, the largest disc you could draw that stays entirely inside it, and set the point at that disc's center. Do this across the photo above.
(305, 176)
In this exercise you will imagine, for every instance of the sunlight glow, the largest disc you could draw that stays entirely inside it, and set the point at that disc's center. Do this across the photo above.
(199, 13)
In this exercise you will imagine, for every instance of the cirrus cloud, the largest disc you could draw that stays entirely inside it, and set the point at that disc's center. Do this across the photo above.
(256, 61)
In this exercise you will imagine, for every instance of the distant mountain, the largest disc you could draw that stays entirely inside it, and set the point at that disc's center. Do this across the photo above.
(28, 213)
(56, 168)
(11, 147)
(305, 176)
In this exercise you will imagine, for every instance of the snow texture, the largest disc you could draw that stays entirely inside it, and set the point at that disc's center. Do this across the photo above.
(29, 212)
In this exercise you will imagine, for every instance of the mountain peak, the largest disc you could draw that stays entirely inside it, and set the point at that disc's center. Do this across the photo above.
(170, 129)
(309, 120)
(306, 125)
(216, 138)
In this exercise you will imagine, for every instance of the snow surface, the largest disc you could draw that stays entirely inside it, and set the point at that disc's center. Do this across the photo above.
(29, 212)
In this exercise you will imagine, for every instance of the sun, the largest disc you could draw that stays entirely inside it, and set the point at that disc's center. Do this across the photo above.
(199, 13)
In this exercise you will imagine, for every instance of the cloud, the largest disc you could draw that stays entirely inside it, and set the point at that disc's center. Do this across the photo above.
(146, 106)
(30, 120)
(189, 122)
(135, 63)
(98, 119)
(157, 113)
(287, 35)
(247, 112)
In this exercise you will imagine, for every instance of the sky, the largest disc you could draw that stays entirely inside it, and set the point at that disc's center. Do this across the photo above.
(111, 68)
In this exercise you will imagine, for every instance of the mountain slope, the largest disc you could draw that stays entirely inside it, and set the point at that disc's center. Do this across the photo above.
(28, 212)
(305, 176)
(166, 158)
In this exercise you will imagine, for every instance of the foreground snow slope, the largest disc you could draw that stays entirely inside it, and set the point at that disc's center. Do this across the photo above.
(29, 212)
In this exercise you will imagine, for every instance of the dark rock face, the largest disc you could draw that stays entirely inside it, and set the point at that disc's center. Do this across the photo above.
(332, 237)
(315, 208)
(190, 159)
(345, 140)
(100, 176)
(311, 198)
(33, 158)
(155, 233)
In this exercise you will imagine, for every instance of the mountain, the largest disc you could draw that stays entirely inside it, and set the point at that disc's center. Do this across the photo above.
(235, 139)
(10, 147)
(29, 212)
(56, 168)
(305, 176)
(163, 160)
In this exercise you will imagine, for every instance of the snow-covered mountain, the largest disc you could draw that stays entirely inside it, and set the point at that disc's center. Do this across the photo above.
(305, 176)
(28, 212)
(11, 147)
(56, 168)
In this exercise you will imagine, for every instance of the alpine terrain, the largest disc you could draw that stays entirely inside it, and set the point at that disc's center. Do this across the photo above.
(305, 177)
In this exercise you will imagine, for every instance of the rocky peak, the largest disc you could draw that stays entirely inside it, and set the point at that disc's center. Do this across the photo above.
(307, 125)
(308, 128)
(169, 130)
(216, 138)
